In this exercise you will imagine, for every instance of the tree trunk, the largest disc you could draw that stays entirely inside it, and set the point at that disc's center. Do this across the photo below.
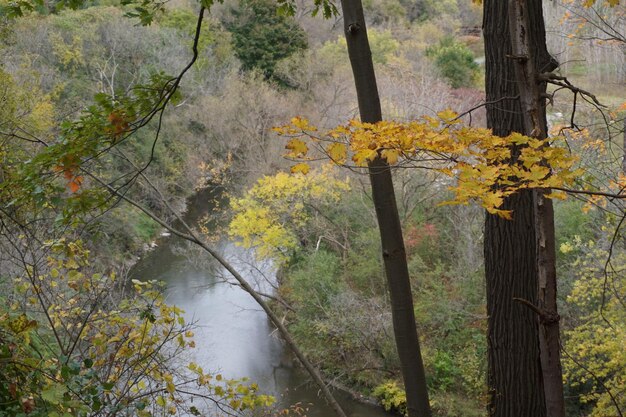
(394, 255)
(514, 374)
(534, 113)
(624, 149)
(514, 371)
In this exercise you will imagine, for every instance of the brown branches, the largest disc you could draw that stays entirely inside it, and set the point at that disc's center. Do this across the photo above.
(561, 81)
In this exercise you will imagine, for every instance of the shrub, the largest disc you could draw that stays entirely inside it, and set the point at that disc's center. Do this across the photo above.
(455, 61)
(391, 397)
(261, 37)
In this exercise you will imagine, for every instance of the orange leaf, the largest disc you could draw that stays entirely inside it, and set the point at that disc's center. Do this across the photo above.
(74, 186)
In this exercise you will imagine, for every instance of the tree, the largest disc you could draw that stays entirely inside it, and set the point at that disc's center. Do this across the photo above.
(393, 250)
(56, 166)
(70, 343)
(261, 37)
(524, 366)
(595, 361)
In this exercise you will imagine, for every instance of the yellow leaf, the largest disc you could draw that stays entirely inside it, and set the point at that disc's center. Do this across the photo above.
(302, 124)
(300, 168)
(558, 195)
(448, 116)
(337, 152)
(169, 386)
(505, 214)
(518, 138)
(297, 148)
(537, 173)
(391, 155)
(492, 200)
(362, 156)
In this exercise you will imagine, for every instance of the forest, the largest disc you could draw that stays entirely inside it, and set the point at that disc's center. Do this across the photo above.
(361, 208)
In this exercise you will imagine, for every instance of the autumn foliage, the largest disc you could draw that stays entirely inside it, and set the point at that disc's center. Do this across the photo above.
(487, 168)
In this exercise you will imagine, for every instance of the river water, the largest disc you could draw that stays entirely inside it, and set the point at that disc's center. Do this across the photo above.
(232, 335)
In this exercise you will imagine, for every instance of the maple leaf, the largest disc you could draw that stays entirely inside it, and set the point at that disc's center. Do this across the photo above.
(505, 214)
(518, 138)
(558, 195)
(75, 183)
(297, 148)
(119, 124)
(537, 173)
(300, 168)
(302, 124)
(362, 156)
(391, 155)
(492, 200)
(337, 152)
(448, 116)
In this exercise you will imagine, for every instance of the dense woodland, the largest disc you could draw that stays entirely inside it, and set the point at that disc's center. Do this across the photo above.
(496, 157)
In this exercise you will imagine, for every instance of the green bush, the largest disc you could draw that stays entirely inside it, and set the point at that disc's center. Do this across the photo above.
(261, 37)
(315, 282)
(444, 371)
(455, 61)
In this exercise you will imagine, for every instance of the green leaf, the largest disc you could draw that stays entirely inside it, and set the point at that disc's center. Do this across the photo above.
(54, 393)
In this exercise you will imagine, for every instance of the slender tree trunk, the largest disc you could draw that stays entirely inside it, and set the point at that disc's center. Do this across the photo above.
(534, 113)
(515, 376)
(624, 150)
(394, 255)
(190, 235)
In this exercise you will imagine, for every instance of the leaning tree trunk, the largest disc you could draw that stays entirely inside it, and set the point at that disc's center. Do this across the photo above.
(394, 255)
(514, 368)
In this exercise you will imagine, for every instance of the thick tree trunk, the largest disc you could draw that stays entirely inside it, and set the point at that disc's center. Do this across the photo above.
(515, 376)
(394, 254)
(534, 112)
(514, 371)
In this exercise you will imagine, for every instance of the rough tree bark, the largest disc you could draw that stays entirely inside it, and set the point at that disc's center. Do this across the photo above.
(394, 254)
(532, 102)
(514, 368)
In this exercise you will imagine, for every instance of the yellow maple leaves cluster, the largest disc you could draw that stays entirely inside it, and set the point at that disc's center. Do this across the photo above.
(486, 167)
(270, 214)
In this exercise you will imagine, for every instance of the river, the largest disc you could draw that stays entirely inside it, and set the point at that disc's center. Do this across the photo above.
(232, 335)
